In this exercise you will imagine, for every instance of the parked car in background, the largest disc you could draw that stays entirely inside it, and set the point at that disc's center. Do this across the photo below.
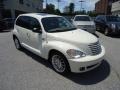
(9, 22)
(84, 22)
(2, 25)
(54, 38)
(108, 24)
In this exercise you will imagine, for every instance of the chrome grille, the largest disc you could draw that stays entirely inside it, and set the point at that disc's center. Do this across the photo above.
(95, 48)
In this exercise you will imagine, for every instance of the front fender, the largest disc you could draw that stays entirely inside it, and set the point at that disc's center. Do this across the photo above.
(59, 46)
(15, 32)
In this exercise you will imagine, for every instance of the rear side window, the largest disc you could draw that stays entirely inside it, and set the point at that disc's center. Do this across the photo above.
(23, 21)
(28, 22)
(100, 18)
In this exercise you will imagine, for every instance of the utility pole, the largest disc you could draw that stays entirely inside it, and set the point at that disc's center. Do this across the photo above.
(58, 3)
(81, 1)
(46, 3)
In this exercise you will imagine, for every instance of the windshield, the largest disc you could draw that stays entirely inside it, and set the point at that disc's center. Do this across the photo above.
(113, 19)
(57, 24)
(82, 18)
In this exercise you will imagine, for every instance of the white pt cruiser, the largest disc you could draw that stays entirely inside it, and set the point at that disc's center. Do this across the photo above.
(54, 38)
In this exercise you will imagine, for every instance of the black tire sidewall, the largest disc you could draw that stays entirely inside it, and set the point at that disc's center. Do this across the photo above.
(18, 42)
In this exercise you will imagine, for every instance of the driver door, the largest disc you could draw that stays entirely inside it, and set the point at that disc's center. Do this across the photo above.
(35, 37)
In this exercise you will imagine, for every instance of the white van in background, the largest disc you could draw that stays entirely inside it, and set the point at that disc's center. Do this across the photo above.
(84, 22)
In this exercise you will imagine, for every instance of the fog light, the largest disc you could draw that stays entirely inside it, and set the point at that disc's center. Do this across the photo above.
(82, 68)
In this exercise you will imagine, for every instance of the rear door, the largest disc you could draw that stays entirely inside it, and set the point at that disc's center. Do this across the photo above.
(23, 27)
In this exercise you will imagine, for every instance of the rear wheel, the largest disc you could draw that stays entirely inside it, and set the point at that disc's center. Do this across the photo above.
(59, 63)
(17, 43)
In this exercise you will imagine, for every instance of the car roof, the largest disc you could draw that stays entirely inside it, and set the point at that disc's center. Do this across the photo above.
(39, 15)
(105, 15)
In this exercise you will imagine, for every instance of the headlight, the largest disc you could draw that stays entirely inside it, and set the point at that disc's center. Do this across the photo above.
(75, 53)
(113, 26)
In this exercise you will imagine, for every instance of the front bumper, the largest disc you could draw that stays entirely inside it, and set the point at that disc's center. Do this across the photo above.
(87, 63)
(115, 31)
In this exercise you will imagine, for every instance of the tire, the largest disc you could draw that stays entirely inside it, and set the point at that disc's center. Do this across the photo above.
(97, 28)
(60, 63)
(17, 43)
(106, 32)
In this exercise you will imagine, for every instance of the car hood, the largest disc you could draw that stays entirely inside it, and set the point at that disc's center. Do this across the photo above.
(77, 36)
(83, 23)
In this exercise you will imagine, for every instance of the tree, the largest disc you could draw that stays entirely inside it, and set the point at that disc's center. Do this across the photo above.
(50, 8)
(71, 8)
(92, 13)
(57, 11)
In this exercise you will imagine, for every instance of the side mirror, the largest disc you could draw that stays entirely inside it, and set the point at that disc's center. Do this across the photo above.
(37, 30)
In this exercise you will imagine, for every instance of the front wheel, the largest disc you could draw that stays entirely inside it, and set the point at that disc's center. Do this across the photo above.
(60, 63)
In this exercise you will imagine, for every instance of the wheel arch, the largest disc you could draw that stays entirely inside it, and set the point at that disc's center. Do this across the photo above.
(14, 36)
(53, 51)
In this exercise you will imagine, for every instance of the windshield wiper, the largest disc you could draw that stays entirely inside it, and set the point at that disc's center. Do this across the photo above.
(70, 28)
(61, 29)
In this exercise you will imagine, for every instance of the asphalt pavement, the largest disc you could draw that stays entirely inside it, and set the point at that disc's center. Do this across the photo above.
(23, 70)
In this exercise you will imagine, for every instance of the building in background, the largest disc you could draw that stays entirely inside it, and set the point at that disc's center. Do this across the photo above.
(1, 8)
(116, 8)
(103, 7)
(12, 8)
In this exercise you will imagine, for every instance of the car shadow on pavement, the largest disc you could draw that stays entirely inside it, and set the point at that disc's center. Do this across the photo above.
(37, 58)
(92, 77)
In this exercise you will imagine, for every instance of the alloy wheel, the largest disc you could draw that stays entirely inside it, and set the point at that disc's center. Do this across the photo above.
(58, 63)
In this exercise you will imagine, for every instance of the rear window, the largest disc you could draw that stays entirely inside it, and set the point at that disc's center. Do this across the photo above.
(82, 18)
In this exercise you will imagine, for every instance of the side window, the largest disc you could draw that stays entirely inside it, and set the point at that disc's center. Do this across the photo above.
(102, 19)
(34, 23)
(26, 22)
(23, 21)
(98, 18)
(19, 21)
